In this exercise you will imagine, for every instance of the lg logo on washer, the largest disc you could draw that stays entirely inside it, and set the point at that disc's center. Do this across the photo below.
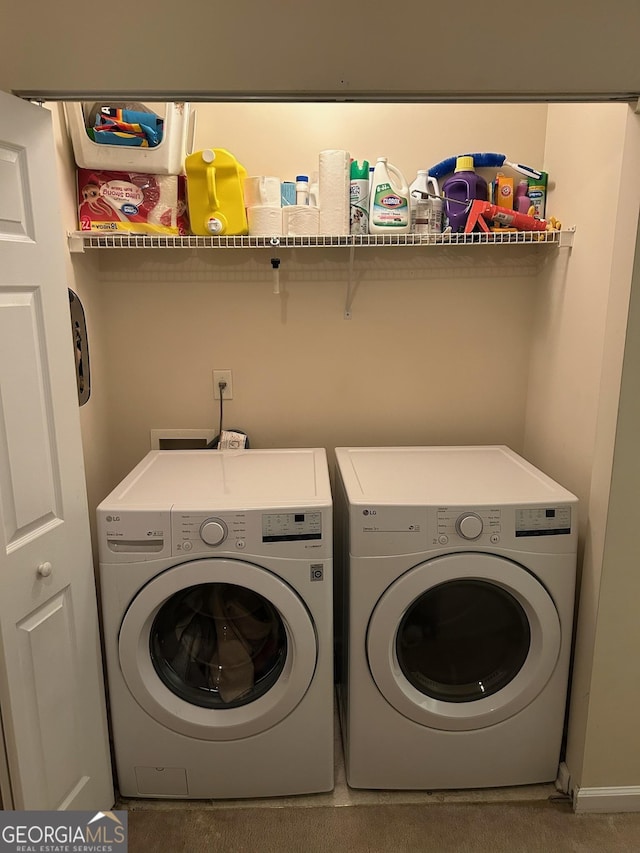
(369, 512)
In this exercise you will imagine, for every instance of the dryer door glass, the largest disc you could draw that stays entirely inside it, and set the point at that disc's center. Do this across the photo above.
(218, 645)
(463, 640)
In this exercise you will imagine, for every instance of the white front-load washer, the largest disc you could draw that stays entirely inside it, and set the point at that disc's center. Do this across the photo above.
(458, 567)
(216, 586)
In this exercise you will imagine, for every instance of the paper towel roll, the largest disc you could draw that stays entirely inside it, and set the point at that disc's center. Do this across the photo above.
(261, 189)
(264, 220)
(300, 220)
(333, 181)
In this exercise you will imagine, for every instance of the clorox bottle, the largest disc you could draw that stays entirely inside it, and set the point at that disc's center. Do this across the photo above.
(390, 208)
(215, 197)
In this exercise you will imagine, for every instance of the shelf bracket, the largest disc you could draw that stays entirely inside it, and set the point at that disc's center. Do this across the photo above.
(349, 297)
(76, 242)
(565, 238)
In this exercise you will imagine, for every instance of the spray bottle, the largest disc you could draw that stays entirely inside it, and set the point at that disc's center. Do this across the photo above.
(359, 198)
(390, 209)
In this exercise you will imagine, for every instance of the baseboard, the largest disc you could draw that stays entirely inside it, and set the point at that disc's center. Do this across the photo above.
(607, 800)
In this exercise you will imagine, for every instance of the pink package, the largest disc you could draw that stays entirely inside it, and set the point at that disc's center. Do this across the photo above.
(132, 202)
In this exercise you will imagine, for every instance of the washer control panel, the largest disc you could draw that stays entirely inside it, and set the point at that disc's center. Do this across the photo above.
(213, 531)
(300, 531)
(506, 526)
(543, 521)
(380, 530)
(201, 533)
(453, 524)
(291, 526)
(469, 525)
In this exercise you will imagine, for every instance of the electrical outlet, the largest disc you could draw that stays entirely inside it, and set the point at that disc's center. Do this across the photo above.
(222, 376)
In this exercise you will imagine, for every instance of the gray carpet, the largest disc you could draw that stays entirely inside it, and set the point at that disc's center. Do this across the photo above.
(530, 827)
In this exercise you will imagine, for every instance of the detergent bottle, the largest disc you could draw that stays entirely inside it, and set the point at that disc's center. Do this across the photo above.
(215, 195)
(390, 209)
(460, 189)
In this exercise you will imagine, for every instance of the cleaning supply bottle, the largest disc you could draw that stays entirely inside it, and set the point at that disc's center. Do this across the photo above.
(359, 198)
(215, 196)
(426, 204)
(302, 189)
(460, 189)
(538, 194)
(390, 209)
(521, 202)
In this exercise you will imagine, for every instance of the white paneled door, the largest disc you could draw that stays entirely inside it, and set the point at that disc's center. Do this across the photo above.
(52, 699)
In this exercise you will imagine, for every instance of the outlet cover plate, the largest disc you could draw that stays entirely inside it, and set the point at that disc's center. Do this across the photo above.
(222, 376)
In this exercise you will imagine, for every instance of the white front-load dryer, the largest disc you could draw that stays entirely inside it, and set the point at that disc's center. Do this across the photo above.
(216, 586)
(458, 573)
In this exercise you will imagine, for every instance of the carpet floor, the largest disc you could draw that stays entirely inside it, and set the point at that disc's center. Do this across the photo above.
(527, 827)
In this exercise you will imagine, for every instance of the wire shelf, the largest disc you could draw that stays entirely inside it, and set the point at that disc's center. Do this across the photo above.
(80, 240)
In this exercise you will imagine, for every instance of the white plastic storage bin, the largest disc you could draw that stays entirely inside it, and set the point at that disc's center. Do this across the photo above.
(166, 158)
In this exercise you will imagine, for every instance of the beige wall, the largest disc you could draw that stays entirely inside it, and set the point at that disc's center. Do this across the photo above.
(585, 146)
(341, 48)
(435, 360)
(284, 139)
(579, 337)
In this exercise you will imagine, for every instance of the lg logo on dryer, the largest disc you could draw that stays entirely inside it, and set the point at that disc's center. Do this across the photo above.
(369, 512)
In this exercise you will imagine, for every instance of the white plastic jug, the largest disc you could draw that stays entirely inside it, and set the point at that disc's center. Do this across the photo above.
(426, 204)
(390, 207)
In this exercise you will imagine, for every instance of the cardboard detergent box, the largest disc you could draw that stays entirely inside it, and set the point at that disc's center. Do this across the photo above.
(133, 202)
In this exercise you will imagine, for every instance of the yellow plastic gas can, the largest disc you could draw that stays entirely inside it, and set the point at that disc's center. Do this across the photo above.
(215, 182)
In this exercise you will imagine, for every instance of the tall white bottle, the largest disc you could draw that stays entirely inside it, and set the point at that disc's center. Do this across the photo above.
(390, 206)
(426, 204)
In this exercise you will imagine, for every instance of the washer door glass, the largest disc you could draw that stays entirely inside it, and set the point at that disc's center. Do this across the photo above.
(218, 645)
(218, 649)
(463, 640)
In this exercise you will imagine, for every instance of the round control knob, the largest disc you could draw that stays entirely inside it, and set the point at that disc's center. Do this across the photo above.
(213, 531)
(469, 525)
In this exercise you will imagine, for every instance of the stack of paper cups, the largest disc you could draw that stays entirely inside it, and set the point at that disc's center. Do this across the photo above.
(264, 220)
(333, 180)
(300, 220)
